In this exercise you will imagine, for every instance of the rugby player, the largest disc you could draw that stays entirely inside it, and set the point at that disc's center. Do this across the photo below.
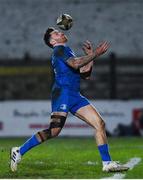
(66, 98)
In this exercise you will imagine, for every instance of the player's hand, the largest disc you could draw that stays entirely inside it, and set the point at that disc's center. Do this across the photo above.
(101, 48)
(87, 48)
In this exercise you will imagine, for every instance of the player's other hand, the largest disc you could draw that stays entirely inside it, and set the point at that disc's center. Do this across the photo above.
(87, 48)
(101, 48)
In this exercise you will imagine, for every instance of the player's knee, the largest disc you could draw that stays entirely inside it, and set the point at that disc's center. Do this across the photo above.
(100, 125)
(57, 121)
(56, 124)
(47, 134)
(55, 132)
(43, 135)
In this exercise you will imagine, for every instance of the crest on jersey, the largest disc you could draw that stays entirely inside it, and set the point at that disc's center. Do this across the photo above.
(63, 106)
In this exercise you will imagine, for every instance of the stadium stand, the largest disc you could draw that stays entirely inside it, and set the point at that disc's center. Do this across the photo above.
(24, 22)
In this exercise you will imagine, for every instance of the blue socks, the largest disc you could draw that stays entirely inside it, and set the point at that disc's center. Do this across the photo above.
(30, 143)
(104, 153)
(33, 141)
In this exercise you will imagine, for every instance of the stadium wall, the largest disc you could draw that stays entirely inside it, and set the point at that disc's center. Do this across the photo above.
(23, 118)
(111, 78)
(24, 22)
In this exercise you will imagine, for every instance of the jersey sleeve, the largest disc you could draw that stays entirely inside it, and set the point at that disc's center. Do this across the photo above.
(64, 53)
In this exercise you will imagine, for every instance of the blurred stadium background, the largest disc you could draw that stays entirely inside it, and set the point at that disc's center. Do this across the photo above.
(116, 85)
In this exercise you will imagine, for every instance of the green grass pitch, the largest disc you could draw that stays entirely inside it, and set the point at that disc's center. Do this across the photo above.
(64, 158)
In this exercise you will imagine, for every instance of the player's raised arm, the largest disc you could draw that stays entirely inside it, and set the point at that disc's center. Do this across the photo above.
(78, 62)
(85, 71)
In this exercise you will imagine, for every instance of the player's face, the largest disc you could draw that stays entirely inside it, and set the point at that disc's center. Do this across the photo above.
(58, 37)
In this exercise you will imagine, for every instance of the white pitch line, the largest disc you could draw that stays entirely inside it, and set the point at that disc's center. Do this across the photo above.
(131, 164)
(118, 176)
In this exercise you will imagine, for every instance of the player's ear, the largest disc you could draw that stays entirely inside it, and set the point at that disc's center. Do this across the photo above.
(52, 41)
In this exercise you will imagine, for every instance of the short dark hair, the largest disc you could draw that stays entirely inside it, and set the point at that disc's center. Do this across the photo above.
(47, 36)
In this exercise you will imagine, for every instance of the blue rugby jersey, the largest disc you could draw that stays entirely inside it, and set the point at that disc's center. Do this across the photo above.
(65, 76)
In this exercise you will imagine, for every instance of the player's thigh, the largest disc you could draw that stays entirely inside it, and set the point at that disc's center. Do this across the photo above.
(90, 115)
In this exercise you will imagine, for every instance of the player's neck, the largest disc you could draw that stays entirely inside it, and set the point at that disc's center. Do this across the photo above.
(60, 44)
